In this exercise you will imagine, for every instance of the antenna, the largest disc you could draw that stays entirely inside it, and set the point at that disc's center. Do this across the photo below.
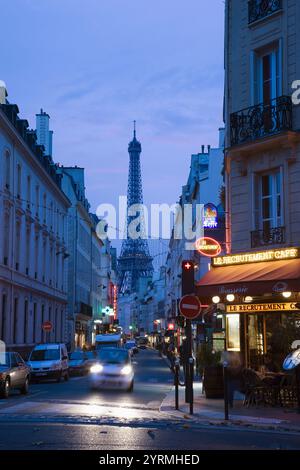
(134, 129)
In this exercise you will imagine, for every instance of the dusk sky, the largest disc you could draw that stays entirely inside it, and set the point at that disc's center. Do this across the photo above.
(96, 65)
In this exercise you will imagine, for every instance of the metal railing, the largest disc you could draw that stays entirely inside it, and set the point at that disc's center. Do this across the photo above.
(259, 9)
(262, 120)
(273, 236)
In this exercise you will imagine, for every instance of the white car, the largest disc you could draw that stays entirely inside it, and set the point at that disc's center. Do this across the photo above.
(113, 370)
(49, 361)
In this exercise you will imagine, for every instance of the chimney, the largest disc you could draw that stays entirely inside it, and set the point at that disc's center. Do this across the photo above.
(3, 92)
(202, 148)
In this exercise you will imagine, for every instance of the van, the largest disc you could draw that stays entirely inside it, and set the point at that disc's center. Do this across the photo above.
(49, 361)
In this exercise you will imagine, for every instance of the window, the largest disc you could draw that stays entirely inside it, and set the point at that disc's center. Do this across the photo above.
(17, 246)
(6, 238)
(26, 320)
(37, 199)
(28, 192)
(3, 318)
(7, 170)
(27, 256)
(42, 321)
(34, 322)
(233, 332)
(266, 74)
(15, 320)
(270, 201)
(44, 208)
(19, 179)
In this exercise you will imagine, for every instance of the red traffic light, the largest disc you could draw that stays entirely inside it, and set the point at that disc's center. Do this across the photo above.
(171, 326)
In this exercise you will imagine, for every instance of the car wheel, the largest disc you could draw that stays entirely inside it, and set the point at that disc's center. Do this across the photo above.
(66, 376)
(25, 389)
(5, 390)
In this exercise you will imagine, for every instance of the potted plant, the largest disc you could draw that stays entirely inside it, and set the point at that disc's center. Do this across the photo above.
(210, 367)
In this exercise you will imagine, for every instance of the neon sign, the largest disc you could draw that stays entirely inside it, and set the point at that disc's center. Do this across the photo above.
(257, 257)
(208, 246)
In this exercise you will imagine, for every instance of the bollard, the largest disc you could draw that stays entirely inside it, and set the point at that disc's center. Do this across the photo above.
(191, 385)
(176, 383)
(225, 379)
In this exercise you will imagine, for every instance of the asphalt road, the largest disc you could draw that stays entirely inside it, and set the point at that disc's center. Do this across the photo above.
(70, 416)
(101, 438)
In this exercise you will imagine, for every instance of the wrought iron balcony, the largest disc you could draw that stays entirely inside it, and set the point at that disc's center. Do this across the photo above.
(273, 236)
(262, 120)
(259, 9)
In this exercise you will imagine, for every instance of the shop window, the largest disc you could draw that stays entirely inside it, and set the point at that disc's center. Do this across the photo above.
(233, 333)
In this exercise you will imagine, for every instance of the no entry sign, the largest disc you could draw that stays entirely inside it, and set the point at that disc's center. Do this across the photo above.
(47, 326)
(190, 307)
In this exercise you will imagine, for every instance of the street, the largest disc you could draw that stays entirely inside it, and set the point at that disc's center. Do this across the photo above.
(70, 416)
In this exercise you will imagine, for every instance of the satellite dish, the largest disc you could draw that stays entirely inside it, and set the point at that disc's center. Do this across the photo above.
(292, 360)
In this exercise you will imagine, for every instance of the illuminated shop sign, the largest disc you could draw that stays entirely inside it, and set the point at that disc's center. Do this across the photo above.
(209, 247)
(269, 307)
(210, 216)
(257, 257)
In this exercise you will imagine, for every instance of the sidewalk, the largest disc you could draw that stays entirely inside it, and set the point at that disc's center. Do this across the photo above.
(208, 411)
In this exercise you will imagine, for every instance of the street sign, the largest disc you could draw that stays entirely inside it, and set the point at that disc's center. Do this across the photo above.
(190, 307)
(47, 326)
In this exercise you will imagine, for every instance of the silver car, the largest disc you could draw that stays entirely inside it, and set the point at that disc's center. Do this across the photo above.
(14, 374)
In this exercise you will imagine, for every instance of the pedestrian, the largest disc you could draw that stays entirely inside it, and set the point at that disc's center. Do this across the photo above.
(171, 356)
(234, 374)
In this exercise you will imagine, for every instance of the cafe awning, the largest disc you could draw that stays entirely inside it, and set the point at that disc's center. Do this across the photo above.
(251, 279)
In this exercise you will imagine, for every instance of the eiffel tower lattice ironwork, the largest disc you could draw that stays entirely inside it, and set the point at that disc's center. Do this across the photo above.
(135, 261)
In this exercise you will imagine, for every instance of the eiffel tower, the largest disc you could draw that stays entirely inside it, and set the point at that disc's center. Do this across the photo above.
(135, 261)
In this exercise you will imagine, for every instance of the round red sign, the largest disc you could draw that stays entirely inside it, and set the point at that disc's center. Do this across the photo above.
(209, 247)
(47, 326)
(190, 307)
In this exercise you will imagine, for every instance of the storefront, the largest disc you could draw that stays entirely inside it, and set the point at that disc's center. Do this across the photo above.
(258, 296)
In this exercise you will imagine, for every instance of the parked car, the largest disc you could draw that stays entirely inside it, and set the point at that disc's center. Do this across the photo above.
(14, 374)
(113, 370)
(49, 361)
(131, 347)
(78, 363)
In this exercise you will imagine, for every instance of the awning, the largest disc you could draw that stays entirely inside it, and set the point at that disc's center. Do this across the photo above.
(251, 279)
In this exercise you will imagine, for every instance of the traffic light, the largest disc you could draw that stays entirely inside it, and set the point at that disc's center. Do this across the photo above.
(188, 277)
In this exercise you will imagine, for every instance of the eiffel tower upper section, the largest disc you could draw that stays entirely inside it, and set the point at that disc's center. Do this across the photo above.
(135, 261)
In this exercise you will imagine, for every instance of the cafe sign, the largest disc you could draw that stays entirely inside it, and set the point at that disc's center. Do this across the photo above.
(268, 307)
(257, 257)
(208, 246)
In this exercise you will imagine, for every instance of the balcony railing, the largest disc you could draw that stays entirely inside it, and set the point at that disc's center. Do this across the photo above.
(259, 9)
(273, 236)
(262, 120)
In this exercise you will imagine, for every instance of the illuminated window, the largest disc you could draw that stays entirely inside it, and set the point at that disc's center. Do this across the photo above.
(233, 332)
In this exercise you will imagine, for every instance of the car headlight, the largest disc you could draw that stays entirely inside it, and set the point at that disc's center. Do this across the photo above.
(96, 369)
(126, 370)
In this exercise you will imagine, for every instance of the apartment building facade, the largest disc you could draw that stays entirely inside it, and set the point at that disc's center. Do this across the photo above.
(33, 239)
(257, 283)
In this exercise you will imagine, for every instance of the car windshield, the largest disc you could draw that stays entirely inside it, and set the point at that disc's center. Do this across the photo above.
(113, 356)
(4, 360)
(45, 355)
(77, 355)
